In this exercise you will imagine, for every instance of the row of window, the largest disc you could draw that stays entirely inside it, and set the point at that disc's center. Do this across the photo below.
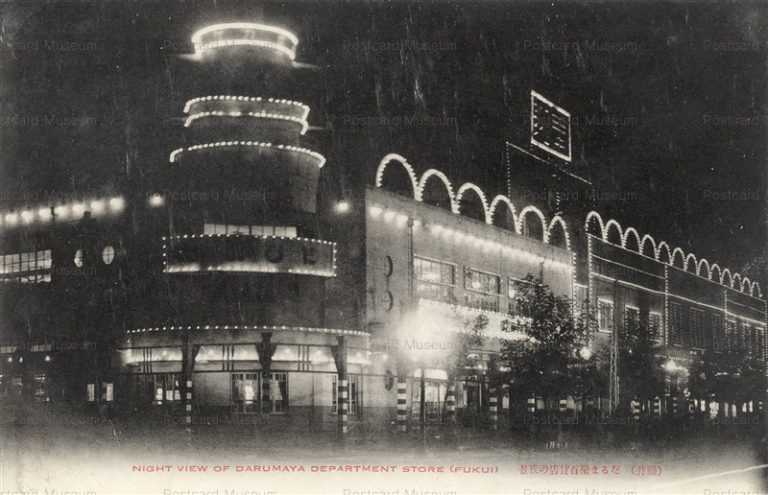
(696, 328)
(436, 280)
(29, 267)
(258, 230)
(605, 318)
(35, 266)
(706, 331)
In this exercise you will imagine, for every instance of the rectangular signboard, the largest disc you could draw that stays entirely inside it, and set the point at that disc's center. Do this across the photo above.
(246, 253)
(550, 127)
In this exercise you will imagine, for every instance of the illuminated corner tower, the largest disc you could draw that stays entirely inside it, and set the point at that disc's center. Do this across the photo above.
(243, 268)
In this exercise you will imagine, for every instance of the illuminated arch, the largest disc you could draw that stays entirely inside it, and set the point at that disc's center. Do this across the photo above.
(687, 264)
(617, 227)
(736, 282)
(631, 230)
(510, 207)
(432, 172)
(647, 239)
(394, 157)
(593, 215)
(746, 284)
(755, 290)
(665, 247)
(678, 253)
(558, 220)
(521, 220)
(712, 275)
(468, 186)
(704, 262)
(722, 277)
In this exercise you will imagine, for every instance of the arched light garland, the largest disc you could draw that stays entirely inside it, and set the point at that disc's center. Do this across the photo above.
(500, 198)
(270, 328)
(625, 238)
(257, 115)
(532, 209)
(400, 219)
(72, 211)
(686, 262)
(518, 219)
(703, 262)
(663, 245)
(712, 269)
(455, 199)
(647, 238)
(745, 281)
(433, 172)
(394, 157)
(288, 49)
(252, 144)
(595, 215)
(558, 220)
(617, 226)
(678, 253)
(468, 186)
(722, 277)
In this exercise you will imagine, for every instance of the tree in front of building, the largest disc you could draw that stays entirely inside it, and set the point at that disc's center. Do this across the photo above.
(544, 358)
(640, 366)
(731, 376)
(464, 362)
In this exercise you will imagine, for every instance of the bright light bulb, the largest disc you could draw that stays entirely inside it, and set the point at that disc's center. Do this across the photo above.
(78, 209)
(44, 214)
(27, 216)
(342, 206)
(61, 211)
(11, 218)
(156, 201)
(117, 203)
(97, 207)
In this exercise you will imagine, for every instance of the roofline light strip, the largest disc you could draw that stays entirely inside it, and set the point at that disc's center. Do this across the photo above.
(253, 144)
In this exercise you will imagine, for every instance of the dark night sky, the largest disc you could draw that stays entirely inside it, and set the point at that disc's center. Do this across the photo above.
(668, 99)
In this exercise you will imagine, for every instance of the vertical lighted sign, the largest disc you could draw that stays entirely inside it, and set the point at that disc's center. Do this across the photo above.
(550, 127)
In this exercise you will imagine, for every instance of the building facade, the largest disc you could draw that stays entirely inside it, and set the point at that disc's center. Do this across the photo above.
(231, 295)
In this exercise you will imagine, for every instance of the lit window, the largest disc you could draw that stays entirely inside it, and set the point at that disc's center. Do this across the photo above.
(654, 325)
(245, 391)
(354, 383)
(435, 280)
(27, 267)
(108, 255)
(696, 333)
(676, 323)
(631, 317)
(256, 230)
(605, 315)
(108, 390)
(278, 392)
(78, 260)
(91, 392)
(718, 338)
(730, 335)
(482, 290)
